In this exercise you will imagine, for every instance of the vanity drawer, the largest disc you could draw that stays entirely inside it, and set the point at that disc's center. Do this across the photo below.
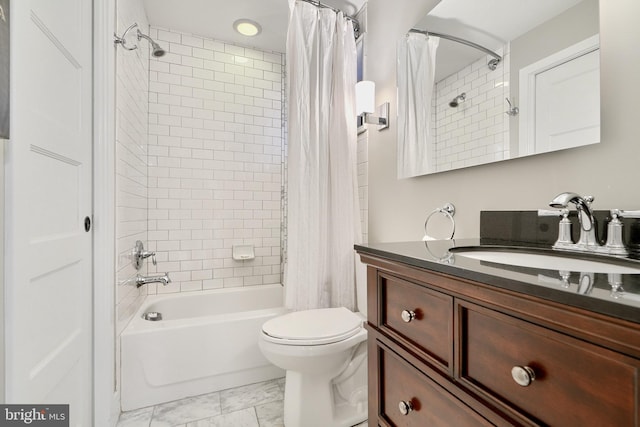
(404, 388)
(576, 383)
(419, 315)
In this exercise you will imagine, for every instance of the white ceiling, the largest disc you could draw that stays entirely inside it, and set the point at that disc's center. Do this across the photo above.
(489, 23)
(215, 18)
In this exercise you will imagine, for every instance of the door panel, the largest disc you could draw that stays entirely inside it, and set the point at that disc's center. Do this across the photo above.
(48, 193)
(567, 106)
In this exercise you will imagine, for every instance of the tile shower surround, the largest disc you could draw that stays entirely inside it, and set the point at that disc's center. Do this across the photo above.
(132, 123)
(477, 131)
(215, 162)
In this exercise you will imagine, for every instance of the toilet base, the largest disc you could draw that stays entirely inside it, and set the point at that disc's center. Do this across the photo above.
(326, 408)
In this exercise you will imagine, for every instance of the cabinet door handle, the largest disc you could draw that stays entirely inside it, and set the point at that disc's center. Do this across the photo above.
(405, 407)
(523, 375)
(408, 315)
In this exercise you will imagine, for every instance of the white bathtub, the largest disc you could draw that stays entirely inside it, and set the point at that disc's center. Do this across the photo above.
(207, 341)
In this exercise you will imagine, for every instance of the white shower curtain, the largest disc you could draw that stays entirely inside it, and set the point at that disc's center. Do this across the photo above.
(322, 206)
(416, 77)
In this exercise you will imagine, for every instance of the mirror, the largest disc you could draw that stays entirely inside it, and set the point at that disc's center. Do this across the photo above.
(511, 79)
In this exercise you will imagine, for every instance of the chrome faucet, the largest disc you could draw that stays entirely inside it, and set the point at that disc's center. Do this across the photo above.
(588, 230)
(142, 280)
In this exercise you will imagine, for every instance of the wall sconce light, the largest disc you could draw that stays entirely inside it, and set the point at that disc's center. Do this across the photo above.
(365, 106)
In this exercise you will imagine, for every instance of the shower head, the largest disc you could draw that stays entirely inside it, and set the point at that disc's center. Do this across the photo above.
(457, 100)
(156, 50)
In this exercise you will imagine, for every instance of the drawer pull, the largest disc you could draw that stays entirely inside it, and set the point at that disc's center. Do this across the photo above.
(408, 315)
(523, 375)
(405, 407)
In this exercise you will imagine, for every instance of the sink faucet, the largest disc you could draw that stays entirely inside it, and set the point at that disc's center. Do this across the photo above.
(588, 230)
(142, 280)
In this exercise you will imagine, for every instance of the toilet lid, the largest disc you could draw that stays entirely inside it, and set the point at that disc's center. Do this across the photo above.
(313, 327)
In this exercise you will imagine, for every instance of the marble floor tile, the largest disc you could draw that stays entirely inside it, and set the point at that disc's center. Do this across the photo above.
(254, 405)
(250, 395)
(243, 418)
(137, 418)
(186, 410)
(270, 414)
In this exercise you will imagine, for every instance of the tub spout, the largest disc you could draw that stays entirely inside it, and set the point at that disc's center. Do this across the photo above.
(142, 280)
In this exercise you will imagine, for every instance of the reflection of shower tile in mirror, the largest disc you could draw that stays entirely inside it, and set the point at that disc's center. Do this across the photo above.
(475, 131)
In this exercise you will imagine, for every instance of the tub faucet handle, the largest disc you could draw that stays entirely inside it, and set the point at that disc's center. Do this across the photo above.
(139, 254)
(147, 254)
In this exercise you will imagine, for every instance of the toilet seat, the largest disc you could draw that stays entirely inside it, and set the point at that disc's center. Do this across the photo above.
(313, 327)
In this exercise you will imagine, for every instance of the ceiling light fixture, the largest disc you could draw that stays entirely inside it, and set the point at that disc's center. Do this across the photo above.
(247, 27)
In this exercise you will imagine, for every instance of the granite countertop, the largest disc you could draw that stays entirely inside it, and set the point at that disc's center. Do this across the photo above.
(616, 295)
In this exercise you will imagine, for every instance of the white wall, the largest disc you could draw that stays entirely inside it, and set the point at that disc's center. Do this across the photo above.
(609, 171)
(215, 162)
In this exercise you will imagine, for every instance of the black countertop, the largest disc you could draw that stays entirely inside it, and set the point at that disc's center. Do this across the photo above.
(616, 295)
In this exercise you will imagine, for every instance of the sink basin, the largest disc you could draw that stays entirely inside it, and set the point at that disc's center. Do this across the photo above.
(547, 260)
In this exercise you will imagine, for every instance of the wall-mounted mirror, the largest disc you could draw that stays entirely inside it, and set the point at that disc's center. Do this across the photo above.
(480, 82)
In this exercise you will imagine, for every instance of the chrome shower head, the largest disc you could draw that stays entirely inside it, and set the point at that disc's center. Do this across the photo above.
(457, 100)
(156, 50)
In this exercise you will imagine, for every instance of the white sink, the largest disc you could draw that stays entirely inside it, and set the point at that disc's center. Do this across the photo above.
(522, 258)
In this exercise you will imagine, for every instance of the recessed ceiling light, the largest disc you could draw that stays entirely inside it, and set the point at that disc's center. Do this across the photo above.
(247, 27)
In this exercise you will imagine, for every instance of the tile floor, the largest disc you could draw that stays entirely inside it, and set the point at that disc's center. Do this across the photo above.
(254, 405)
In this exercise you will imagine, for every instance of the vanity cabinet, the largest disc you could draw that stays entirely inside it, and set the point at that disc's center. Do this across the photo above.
(448, 351)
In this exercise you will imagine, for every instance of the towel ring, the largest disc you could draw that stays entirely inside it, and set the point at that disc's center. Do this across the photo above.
(447, 210)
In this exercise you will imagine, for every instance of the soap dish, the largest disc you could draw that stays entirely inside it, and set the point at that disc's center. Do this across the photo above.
(243, 252)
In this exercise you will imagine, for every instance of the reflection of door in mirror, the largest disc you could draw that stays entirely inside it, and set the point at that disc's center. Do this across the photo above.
(559, 95)
(470, 121)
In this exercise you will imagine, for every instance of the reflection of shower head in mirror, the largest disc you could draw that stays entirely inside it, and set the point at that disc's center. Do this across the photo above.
(457, 100)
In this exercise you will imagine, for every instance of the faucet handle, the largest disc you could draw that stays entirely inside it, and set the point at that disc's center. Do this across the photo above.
(548, 212)
(625, 214)
(139, 254)
(147, 254)
(553, 212)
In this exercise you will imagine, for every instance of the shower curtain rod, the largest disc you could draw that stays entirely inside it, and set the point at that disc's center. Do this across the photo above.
(356, 24)
(492, 64)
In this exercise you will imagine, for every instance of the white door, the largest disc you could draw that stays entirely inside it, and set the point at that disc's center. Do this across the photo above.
(568, 104)
(560, 99)
(48, 195)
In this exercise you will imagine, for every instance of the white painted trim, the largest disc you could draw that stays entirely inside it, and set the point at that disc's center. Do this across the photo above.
(105, 399)
(527, 89)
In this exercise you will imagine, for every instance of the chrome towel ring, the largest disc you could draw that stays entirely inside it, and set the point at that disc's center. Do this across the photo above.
(448, 210)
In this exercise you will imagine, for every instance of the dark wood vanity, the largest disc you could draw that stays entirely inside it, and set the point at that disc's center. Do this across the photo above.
(448, 346)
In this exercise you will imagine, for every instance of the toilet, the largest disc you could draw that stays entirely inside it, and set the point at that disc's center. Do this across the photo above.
(324, 354)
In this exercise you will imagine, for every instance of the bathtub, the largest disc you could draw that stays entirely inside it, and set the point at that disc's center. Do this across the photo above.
(206, 341)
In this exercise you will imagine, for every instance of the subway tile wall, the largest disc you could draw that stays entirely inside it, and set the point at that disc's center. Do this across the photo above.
(363, 183)
(131, 162)
(478, 130)
(215, 162)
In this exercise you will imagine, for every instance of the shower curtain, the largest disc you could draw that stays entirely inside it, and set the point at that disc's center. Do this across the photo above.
(322, 208)
(416, 77)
